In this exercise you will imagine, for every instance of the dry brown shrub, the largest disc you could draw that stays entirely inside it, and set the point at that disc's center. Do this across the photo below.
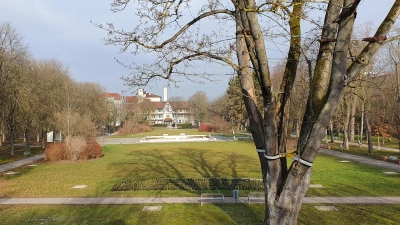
(92, 150)
(56, 152)
(75, 150)
(74, 146)
(219, 125)
(143, 128)
(133, 128)
(205, 127)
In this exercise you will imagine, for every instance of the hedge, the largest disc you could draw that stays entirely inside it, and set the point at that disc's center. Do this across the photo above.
(197, 184)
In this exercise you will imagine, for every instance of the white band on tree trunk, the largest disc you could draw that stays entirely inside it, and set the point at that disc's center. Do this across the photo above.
(302, 161)
(260, 150)
(272, 157)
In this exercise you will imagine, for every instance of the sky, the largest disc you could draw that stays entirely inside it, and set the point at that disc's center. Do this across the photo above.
(62, 29)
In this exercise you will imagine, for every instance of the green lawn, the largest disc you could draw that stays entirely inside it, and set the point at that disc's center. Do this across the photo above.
(208, 159)
(191, 214)
(189, 160)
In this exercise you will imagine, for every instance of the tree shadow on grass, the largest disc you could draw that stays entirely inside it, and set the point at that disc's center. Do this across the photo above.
(186, 163)
(243, 214)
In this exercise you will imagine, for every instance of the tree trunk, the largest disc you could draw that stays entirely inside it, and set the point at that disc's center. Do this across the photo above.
(368, 133)
(44, 139)
(346, 127)
(1, 133)
(11, 133)
(28, 140)
(398, 133)
(362, 122)
(345, 139)
(37, 136)
(353, 116)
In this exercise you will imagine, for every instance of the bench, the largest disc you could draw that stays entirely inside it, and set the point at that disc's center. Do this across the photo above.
(211, 197)
(259, 196)
(27, 154)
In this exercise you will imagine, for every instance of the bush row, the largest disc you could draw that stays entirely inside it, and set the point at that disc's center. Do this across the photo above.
(73, 149)
(132, 128)
(160, 125)
(197, 184)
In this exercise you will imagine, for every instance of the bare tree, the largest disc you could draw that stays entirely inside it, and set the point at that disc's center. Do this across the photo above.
(177, 103)
(199, 106)
(50, 76)
(284, 188)
(392, 53)
(13, 61)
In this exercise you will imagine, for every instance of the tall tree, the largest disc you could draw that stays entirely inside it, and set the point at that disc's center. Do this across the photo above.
(177, 103)
(13, 61)
(199, 106)
(392, 51)
(236, 108)
(284, 188)
(51, 75)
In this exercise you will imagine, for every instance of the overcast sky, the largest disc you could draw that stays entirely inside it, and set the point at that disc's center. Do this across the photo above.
(61, 29)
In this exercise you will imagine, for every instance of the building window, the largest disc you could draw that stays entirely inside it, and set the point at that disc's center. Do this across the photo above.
(159, 116)
(159, 110)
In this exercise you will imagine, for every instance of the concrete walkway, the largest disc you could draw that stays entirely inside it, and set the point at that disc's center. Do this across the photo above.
(187, 200)
(366, 146)
(361, 159)
(16, 164)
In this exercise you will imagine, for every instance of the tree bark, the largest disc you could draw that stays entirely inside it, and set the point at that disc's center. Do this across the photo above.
(346, 127)
(28, 140)
(44, 139)
(368, 133)
(362, 122)
(11, 133)
(353, 116)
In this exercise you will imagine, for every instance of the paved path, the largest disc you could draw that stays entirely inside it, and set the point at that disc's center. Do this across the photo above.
(16, 164)
(366, 146)
(361, 159)
(111, 141)
(186, 200)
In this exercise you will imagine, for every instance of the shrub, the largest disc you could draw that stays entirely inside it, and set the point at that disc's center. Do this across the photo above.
(218, 124)
(160, 125)
(196, 184)
(205, 127)
(74, 148)
(185, 125)
(92, 150)
(133, 128)
(55, 152)
(143, 128)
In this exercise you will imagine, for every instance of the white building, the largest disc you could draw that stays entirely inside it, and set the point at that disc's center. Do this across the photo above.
(164, 112)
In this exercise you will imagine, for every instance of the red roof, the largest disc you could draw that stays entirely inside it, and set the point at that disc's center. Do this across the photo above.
(130, 99)
(115, 96)
(167, 120)
(159, 105)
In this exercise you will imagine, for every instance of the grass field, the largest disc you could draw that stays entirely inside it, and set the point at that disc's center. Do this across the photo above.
(209, 159)
(191, 214)
(190, 160)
